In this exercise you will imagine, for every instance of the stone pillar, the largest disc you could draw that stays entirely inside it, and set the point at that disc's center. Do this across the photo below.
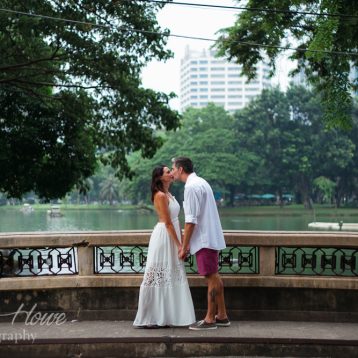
(85, 260)
(267, 260)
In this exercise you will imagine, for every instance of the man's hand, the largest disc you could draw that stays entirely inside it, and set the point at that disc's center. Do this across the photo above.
(182, 253)
(188, 231)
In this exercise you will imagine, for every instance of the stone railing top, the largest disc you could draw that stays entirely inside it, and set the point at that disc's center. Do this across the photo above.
(141, 237)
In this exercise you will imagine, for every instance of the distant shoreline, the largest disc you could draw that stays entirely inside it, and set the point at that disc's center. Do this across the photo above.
(287, 210)
(66, 207)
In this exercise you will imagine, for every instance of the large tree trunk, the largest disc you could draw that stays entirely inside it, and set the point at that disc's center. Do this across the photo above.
(232, 189)
(341, 186)
(304, 189)
(279, 200)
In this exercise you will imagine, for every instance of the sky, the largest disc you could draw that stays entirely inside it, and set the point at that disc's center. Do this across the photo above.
(197, 22)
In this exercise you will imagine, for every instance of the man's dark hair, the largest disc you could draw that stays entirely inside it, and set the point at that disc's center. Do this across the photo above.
(185, 163)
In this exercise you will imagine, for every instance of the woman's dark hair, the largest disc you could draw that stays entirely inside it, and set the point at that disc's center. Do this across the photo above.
(157, 184)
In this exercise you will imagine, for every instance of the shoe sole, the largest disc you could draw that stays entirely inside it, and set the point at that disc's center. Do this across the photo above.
(202, 329)
(223, 324)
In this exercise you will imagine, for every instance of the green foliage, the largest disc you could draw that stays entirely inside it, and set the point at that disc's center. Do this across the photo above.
(70, 91)
(311, 35)
(326, 186)
(326, 27)
(109, 189)
(45, 147)
(285, 133)
(277, 144)
(207, 137)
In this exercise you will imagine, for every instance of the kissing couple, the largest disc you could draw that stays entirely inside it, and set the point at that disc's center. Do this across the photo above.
(164, 297)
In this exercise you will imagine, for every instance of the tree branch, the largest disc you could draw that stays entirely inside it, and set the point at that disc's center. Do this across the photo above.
(53, 57)
(33, 93)
(51, 84)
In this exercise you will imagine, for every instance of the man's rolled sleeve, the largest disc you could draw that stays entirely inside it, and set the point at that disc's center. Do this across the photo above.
(191, 219)
(191, 205)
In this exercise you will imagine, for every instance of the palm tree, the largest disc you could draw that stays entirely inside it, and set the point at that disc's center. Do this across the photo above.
(109, 189)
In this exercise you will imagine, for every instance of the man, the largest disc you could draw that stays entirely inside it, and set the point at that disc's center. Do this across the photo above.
(203, 234)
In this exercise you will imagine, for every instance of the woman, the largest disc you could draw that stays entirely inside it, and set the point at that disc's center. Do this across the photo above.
(164, 297)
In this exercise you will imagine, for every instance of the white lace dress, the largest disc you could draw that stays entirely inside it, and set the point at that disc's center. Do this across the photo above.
(164, 296)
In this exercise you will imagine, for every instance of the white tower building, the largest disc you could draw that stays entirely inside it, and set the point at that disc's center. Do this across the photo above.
(205, 78)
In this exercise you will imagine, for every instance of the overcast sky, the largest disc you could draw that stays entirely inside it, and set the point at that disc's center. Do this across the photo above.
(197, 22)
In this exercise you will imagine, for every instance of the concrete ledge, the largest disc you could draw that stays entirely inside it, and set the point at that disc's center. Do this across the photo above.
(124, 280)
(245, 338)
(141, 237)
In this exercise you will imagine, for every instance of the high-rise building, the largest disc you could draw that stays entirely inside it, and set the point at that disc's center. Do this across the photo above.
(300, 79)
(205, 78)
(353, 77)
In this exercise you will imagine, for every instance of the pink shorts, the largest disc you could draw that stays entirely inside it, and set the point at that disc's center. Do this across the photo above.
(207, 261)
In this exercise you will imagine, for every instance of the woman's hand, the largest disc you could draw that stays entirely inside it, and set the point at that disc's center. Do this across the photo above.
(182, 253)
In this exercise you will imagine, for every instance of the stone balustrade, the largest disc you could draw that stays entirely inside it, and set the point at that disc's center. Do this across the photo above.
(252, 259)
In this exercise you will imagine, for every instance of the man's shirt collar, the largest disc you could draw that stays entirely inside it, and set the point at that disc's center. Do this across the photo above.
(191, 177)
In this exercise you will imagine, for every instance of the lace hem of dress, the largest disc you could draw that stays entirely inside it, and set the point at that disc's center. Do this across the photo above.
(161, 276)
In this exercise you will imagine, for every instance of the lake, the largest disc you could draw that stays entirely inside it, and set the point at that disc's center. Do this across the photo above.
(13, 220)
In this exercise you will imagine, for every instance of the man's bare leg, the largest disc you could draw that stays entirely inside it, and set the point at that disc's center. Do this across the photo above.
(216, 302)
(220, 301)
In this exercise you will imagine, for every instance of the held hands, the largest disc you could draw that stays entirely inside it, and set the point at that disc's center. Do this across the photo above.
(183, 253)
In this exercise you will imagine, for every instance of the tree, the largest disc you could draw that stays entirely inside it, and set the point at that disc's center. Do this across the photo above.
(207, 137)
(84, 188)
(45, 147)
(267, 27)
(109, 189)
(70, 90)
(263, 129)
(285, 135)
(326, 188)
(345, 171)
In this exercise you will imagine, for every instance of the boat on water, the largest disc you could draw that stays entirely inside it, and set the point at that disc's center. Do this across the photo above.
(27, 208)
(336, 226)
(54, 212)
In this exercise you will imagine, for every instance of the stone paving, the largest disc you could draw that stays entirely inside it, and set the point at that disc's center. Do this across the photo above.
(123, 330)
(120, 332)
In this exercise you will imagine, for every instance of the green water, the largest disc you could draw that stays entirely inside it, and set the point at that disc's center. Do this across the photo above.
(13, 220)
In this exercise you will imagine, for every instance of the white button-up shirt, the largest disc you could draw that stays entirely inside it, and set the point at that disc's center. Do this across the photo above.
(200, 209)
